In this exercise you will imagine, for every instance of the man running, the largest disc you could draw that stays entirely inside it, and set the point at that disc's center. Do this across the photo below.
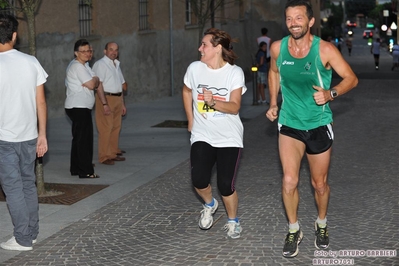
(302, 64)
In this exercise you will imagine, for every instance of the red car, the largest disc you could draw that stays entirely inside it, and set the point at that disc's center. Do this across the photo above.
(367, 34)
(351, 24)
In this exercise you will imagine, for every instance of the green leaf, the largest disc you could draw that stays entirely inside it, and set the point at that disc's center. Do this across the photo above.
(3, 4)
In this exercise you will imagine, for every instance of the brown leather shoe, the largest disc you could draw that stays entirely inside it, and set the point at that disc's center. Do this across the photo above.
(119, 158)
(108, 162)
(121, 152)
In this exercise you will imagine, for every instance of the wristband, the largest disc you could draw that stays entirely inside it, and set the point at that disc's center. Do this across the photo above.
(105, 104)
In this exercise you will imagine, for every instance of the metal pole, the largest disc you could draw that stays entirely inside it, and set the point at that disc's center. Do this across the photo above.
(397, 21)
(254, 70)
(172, 83)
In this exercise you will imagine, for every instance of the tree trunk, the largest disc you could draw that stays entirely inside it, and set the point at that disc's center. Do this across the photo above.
(29, 8)
(30, 17)
(40, 177)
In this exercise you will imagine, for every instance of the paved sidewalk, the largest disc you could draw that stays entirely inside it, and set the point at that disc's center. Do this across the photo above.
(149, 213)
(151, 151)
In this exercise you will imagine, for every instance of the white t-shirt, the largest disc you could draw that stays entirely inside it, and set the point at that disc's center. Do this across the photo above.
(110, 75)
(20, 74)
(216, 128)
(267, 41)
(78, 96)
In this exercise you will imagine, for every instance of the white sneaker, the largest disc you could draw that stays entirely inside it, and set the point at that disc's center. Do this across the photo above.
(206, 219)
(12, 244)
(233, 229)
(34, 241)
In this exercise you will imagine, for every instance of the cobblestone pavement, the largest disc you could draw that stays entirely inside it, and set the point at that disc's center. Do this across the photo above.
(156, 224)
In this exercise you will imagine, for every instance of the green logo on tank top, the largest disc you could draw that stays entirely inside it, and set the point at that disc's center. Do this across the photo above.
(308, 66)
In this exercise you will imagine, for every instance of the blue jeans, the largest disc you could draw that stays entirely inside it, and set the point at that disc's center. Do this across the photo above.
(18, 180)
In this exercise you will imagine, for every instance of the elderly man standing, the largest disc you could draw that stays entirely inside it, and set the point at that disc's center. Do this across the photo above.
(110, 106)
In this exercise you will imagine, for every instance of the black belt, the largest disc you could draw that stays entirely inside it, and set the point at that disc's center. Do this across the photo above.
(113, 94)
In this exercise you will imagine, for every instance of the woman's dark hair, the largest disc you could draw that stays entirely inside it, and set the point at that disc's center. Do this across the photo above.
(224, 39)
(81, 42)
(295, 3)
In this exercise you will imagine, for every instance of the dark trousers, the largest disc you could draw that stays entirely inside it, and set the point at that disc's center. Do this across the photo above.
(203, 157)
(82, 141)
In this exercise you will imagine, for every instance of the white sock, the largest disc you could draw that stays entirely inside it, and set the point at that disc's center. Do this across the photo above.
(293, 227)
(321, 222)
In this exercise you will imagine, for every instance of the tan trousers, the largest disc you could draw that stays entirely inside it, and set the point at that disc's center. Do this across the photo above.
(108, 127)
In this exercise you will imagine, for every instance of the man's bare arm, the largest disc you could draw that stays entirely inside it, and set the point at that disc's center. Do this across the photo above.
(274, 81)
(41, 146)
(332, 57)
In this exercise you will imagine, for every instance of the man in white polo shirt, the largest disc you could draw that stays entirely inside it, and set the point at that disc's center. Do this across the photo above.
(110, 106)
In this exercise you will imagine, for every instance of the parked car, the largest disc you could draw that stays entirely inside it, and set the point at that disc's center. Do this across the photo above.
(367, 34)
(351, 24)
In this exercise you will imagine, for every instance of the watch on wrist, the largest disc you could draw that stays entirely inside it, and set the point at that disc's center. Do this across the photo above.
(333, 93)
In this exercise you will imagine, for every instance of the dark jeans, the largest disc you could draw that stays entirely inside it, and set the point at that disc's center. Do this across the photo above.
(82, 141)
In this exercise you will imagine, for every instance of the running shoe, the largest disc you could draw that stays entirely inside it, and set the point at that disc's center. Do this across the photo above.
(233, 229)
(292, 241)
(321, 241)
(12, 244)
(206, 219)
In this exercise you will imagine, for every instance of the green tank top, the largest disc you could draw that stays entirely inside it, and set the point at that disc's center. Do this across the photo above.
(297, 76)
